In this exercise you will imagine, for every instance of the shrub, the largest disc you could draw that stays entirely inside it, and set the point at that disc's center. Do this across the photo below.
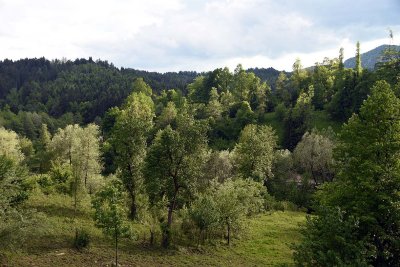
(82, 239)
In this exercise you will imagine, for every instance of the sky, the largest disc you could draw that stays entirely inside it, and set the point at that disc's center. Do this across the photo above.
(173, 35)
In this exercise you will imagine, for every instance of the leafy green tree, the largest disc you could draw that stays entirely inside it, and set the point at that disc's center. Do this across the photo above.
(16, 222)
(12, 171)
(174, 164)
(254, 152)
(129, 138)
(331, 239)
(214, 107)
(219, 166)
(367, 184)
(341, 58)
(139, 86)
(79, 148)
(283, 184)
(282, 91)
(43, 156)
(242, 83)
(388, 68)
(110, 214)
(322, 79)
(204, 213)
(299, 78)
(234, 199)
(240, 115)
(341, 105)
(297, 119)
(198, 91)
(314, 156)
(167, 116)
(9, 145)
(358, 67)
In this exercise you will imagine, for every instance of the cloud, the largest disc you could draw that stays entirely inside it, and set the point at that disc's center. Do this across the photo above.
(192, 35)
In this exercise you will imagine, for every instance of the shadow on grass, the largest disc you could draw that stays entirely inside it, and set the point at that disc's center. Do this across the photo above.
(65, 212)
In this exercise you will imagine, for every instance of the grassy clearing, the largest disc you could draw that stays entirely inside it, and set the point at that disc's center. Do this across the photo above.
(265, 242)
(271, 119)
(319, 119)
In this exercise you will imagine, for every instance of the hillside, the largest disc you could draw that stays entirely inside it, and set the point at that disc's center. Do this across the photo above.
(83, 87)
(266, 241)
(370, 58)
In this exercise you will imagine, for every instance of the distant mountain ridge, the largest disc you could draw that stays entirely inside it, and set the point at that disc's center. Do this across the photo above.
(370, 58)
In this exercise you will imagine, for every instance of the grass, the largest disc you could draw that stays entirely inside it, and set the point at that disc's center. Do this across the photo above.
(266, 242)
(319, 119)
(271, 119)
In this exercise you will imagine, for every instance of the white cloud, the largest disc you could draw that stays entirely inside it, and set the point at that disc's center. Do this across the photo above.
(191, 35)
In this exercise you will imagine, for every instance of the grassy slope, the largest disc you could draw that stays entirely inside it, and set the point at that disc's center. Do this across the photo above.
(266, 242)
(319, 120)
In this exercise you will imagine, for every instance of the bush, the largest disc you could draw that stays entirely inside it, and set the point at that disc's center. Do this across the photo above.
(82, 239)
(331, 239)
(280, 111)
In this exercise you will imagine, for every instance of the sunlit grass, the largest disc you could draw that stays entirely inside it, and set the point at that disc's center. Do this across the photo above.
(266, 241)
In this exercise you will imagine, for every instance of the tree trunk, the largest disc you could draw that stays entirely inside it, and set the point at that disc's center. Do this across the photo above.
(229, 234)
(116, 248)
(151, 237)
(133, 209)
(167, 230)
(133, 206)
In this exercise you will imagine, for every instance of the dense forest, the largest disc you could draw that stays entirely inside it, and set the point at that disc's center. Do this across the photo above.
(188, 157)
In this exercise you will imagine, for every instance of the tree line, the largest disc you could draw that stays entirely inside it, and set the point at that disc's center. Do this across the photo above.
(206, 159)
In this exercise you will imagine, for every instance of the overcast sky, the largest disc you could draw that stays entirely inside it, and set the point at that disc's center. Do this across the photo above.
(172, 35)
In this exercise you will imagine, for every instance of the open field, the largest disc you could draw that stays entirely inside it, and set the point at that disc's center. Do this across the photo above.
(266, 241)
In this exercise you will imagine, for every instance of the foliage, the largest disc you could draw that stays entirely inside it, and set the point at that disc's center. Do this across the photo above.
(78, 148)
(218, 166)
(253, 154)
(331, 239)
(367, 185)
(172, 182)
(82, 239)
(314, 156)
(204, 214)
(129, 139)
(10, 146)
(297, 120)
(221, 210)
(111, 214)
(173, 165)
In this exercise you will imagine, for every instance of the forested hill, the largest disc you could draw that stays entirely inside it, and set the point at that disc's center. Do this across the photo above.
(83, 89)
(269, 75)
(370, 58)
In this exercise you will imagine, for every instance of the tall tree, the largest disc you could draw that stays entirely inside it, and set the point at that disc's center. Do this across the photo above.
(79, 148)
(129, 138)
(253, 153)
(43, 155)
(367, 187)
(89, 153)
(358, 67)
(9, 145)
(341, 58)
(174, 165)
(282, 91)
(314, 156)
(110, 214)
(297, 119)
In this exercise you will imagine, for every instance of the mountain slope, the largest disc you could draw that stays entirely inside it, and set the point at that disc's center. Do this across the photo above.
(370, 58)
